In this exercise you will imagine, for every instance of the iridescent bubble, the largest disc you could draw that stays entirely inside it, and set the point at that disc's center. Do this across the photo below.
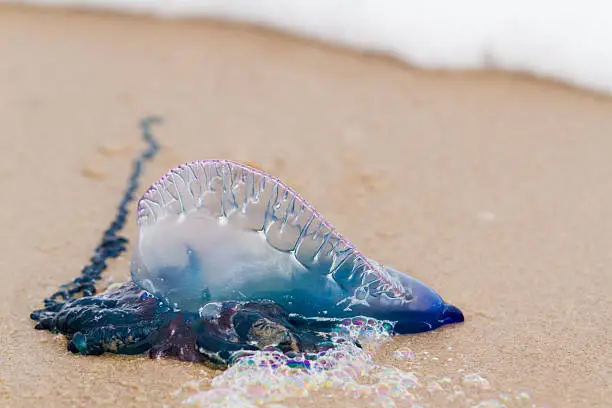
(492, 403)
(476, 381)
(404, 353)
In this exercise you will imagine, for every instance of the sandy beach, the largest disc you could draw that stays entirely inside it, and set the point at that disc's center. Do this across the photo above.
(494, 189)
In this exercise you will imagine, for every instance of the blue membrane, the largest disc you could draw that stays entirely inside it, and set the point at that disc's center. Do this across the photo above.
(217, 231)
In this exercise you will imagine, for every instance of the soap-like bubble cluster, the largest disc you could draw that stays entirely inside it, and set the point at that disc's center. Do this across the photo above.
(371, 333)
(404, 353)
(345, 367)
(344, 364)
(266, 377)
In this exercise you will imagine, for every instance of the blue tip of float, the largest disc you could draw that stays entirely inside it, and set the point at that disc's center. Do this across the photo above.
(451, 314)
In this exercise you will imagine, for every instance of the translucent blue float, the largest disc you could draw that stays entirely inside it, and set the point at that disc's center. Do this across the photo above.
(218, 230)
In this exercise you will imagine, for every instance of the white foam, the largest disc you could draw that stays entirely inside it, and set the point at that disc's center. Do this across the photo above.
(564, 40)
(267, 378)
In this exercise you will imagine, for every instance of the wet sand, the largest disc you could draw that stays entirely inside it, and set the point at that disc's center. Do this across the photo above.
(494, 189)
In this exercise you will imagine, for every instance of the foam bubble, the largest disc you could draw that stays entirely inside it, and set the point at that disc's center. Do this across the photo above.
(346, 367)
(270, 376)
(476, 381)
(404, 353)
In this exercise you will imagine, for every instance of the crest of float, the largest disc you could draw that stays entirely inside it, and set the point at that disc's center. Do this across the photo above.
(218, 230)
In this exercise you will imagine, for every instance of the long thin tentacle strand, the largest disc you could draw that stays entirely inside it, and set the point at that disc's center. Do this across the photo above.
(112, 244)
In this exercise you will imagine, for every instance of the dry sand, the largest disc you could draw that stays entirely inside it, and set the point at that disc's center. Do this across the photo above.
(494, 189)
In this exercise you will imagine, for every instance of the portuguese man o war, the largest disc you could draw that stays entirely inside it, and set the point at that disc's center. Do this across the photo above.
(218, 230)
(230, 260)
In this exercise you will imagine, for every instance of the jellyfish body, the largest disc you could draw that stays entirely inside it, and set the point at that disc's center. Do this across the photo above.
(217, 230)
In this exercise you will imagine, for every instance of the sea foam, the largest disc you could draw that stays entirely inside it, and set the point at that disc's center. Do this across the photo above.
(568, 41)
